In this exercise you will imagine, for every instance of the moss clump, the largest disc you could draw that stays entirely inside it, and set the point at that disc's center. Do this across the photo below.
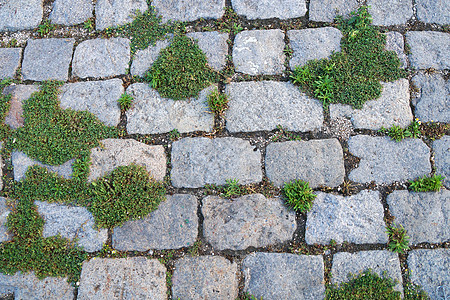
(427, 184)
(4, 108)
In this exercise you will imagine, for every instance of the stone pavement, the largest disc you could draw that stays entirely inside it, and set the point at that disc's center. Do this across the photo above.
(210, 247)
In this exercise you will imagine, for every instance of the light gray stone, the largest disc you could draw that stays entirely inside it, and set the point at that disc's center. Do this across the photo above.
(384, 160)
(255, 106)
(248, 221)
(19, 15)
(200, 161)
(356, 219)
(392, 108)
(441, 149)
(259, 52)
(327, 10)
(274, 276)
(432, 103)
(122, 278)
(150, 113)
(390, 12)
(118, 12)
(19, 93)
(144, 59)
(429, 49)
(9, 61)
(313, 43)
(46, 59)
(101, 57)
(189, 10)
(214, 45)
(425, 216)
(71, 12)
(123, 152)
(266, 9)
(395, 42)
(97, 97)
(4, 212)
(205, 277)
(319, 162)
(433, 11)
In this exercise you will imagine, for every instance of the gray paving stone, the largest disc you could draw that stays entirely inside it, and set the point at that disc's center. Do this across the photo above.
(72, 223)
(173, 225)
(71, 12)
(327, 10)
(259, 52)
(19, 93)
(10, 61)
(248, 221)
(118, 12)
(214, 45)
(122, 278)
(433, 11)
(384, 160)
(205, 277)
(392, 108)
(200, 161)
(101, 57)
(356, 219)
(144, 59)
(425, 216)
(441, 149)
(433, 100)
(313, 43)
(97, 97)
(45, 59)
(395, 42)
(150, 113)
(390, 12)
(4, 212)
(274, 276)
(123, 152)
(266, 9)
(264, 105)
(319, 162)
(19, 15)
(185, 11)
(429, 269)
(429, 49)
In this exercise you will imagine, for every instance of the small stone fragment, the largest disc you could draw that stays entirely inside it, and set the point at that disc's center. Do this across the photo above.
(215, 47)
(433, 100)
(71, 12)
(144, 59)
(19, 15)
(19, 93)
(21, 162)
(433, 11)
(394, 42)
(266, 9)
(5, 235)
(327, 10)
(441, 149)
(185, 11)
(429, 49)
(390, 12)
(10, 61)
(118, 12)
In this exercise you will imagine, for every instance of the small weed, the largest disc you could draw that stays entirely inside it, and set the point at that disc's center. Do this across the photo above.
(333, 243)
(166, 256)
(398, 240)
(89, 24)
(229, 22)
(232, 188)
(248, 296)
(397, 133)
(427, 184)
(414, 292)
(108, 252)
(282, 133)
(217, 103)
(299, 196)
(195, 249)
(125, 102)
(12, 43)
(174, 135)
(45, 28)
(347, 188)
(288, 51)
(434, 130)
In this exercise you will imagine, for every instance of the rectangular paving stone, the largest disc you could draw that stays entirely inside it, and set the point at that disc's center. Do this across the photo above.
(71, 12)
(118, 12)
(432, 102)
(429, 49)
(19, 93)
(266, 9)
(5, 235)
(390, 12)
(189, 10)
(441, 150)
(144, 59)
(327, 10)
(433, 11)
(214, 45)
(19, 15)
(9, 61)
(395, 42)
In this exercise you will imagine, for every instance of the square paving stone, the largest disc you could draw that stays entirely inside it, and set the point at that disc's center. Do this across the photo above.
(205, 277)
(327, 10)
(266, 9)
(275, 276)
(395, 42)
(19, 93)
(441, 149)
(214, 45)
(46, 59)
(189, 10)
(429, 49)
(390, 12)
(432, 102)
(19, 15)
(433, 11)
(9, 61)
(118, 12)
(4, 212)
(71, 12)
(144, 59)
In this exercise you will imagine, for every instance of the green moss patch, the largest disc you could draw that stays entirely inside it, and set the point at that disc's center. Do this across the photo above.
(4, 108)
(427, 184)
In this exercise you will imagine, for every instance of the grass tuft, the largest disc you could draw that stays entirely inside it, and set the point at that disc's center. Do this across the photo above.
(217, 102)
(427, 184)
(299, 196)
(398, 240)
(397, 133)
(125, 102)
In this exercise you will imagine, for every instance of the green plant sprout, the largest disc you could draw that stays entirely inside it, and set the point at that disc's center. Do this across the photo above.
(299, 196)
(427, 184)
(398, 240)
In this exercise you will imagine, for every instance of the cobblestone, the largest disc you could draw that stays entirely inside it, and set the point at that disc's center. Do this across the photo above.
(19, 15)
(395, 42)
(144, 59)
(19, 93)
(10, 58)
(118, 12)
(327, 10)
(429, 49)
(214, 45)
(433, 11)
(185, 11)
(257, 9)
(441, 149)
(71, 12)
(4, 212)
(390, 12)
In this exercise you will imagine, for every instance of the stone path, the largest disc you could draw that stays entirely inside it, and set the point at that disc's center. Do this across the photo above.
(210, 247)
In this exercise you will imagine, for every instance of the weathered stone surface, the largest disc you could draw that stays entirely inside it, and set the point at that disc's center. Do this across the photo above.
(356, 219)
(21, 162)
(327, 10)
(425, 216)
(19, 93)
(259, 52)
(71, 12)
(101, 57)
(173, 225)
(46, 59)
(390, 12)
(118, 12)
(429, 49)
(214, 45)
(392, 108)
(150, 113)
(4, 212)
(319, 162)
(432, 103)
(205, 277)
(118, 152)
(384, 160)
(394, 42)
(266, 9)
(10, 61)
(122, 278)
(248, 221)
(263, 105)
(313, 43)
(441, 149)
(144, 59)
(274, 276)
(97, 97)
(18, 15)
(200, 161)
(183, 10)
(72, 222)
(433, 11)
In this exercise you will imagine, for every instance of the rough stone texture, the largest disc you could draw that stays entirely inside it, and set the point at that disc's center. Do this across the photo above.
(429, 269)
(313, 43)
(263, 105)
(118, 12)
(10, 61)
(19, 15)
(150, 113)
(205, 277)
(425, 216)
(394, 42)
(101, 57)
(259, 52)
(72, 222)
(97, 97)
(319, 162)
(144, 59)
(274, 276)
(356, 219)
(19, 93)
(173, 225)
(432, 103)
(189, 10)
(392, 108)
(200, 161)
(46, 59)
(390, 12)
(248, 221)
(4, 212)
(384, 160)
(441, 149)
(266, 9)
(118, 152)
(433, 11)
(122, 278)
(327, 10)
(429, 49)
(71, 12)
(214, 45)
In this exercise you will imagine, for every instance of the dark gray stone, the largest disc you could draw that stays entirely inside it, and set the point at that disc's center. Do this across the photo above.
(19, 93)
(185, 11)
(275, 276)
(71, 12)
(441, 149)
(390, 12)
(46, 59)
(395, 42)
(4, 212)
(429, 49)
(433, 11)
(19, 15)
(200, 161)
(266, 9)
(118, 12)
(10, 61)
(144, 59)
(214, 45)
(432, 103)
(248, 221)
(327, 10)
